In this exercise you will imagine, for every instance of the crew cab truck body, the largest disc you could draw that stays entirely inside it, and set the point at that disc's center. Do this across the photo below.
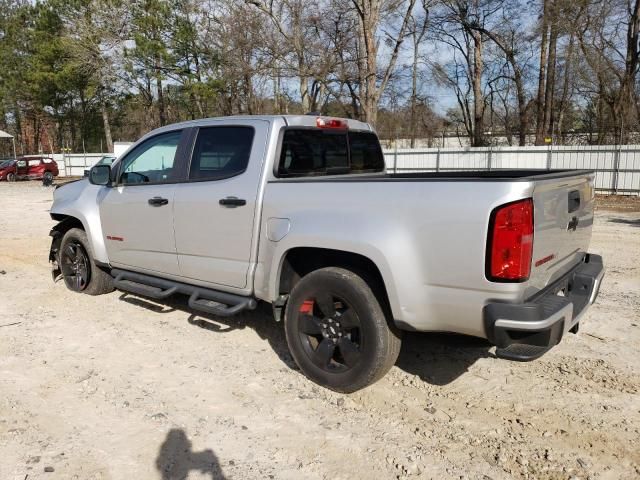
(298, 211)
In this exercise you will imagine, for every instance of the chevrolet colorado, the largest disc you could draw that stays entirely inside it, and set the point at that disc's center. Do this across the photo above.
(299, 211)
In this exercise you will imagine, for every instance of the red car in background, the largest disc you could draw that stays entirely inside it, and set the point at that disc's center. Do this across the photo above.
(29, 168)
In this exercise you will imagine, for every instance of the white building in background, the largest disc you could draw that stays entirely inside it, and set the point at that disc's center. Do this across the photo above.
(120, 147)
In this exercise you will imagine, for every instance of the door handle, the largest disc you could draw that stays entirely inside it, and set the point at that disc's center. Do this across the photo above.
(232, 202)
(158, 201)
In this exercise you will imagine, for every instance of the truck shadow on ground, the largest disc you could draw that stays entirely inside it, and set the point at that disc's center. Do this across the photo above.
(440, 358)
(259, 320)
(176, 459)
(626, 221)
(436, 358)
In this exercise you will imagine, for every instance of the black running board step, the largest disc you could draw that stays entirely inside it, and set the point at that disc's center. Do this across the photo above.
(204, 299)
(521, 353)
(216, 308)
(143, 290)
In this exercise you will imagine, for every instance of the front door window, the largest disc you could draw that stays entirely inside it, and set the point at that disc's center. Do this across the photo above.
(152, 161)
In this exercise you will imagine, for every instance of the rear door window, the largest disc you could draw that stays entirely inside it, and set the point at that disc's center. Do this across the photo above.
(221, 152)
(312, 152)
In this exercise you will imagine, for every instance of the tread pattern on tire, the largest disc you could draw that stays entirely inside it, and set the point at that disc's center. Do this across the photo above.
(100, 282)
(388, 335)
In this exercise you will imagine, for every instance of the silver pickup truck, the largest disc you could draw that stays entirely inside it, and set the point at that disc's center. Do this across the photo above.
(299, 212)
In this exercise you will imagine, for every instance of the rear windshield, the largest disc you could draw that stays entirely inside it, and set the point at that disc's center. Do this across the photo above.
(312, 152)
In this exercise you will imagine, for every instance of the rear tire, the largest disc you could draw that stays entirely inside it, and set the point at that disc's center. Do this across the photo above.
(337, 331)
(79, 270)
(11, 177)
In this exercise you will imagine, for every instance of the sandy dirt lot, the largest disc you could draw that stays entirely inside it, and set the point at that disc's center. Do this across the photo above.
(116, 387)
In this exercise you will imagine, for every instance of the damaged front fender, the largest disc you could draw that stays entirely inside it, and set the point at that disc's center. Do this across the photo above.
(56, 240)
(56, 235)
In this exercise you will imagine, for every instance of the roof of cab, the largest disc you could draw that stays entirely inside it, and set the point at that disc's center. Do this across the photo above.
(289, 120)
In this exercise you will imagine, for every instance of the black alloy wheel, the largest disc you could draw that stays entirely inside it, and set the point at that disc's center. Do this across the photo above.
(338, 331)
(75, 266)
(330, 332)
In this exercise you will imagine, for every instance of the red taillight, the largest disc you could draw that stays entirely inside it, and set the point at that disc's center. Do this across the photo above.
(331, 123)
(510, 242)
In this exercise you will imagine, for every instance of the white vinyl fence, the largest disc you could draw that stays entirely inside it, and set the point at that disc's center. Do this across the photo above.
(617, 167)
(74, 164)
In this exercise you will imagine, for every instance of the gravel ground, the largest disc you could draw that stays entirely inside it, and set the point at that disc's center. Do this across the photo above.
(116, 387)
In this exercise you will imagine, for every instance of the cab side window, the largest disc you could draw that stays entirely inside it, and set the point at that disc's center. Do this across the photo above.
(152, 161)
(221, 152)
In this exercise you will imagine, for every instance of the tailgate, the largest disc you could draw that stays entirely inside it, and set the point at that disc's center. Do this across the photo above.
(563, 219)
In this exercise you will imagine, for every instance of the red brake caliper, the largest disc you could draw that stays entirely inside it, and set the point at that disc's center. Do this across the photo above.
(307, 307)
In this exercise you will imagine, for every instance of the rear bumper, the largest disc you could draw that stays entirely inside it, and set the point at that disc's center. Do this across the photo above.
(527, 330)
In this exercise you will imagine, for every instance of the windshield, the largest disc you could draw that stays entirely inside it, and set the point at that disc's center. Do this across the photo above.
(6, 163)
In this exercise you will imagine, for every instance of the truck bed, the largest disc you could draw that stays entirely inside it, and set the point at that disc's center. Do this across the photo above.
(525, 175)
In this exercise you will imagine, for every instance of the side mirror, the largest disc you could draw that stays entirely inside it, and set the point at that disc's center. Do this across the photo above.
(100, 175)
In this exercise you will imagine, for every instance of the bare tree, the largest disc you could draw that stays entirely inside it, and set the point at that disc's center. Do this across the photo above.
(542, 76)
(463, 25)
(296, 21)
(418, 26)
(370, 14)
(506, 34)
(455, 75)
(608, 39)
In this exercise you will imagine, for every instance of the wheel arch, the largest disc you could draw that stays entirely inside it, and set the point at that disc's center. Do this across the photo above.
(68, 221)
(296, 262)
(65, 223)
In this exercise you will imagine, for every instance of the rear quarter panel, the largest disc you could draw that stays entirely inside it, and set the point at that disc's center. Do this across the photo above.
(428, 238)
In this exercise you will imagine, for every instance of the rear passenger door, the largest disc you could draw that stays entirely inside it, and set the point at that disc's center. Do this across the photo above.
(34, 167)
(214, 210)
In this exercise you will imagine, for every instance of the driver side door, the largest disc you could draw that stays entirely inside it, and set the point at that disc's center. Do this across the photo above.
(137, 213)
(22, 168)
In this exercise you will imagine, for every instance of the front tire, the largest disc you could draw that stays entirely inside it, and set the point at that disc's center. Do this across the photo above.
(11, 177)
(79, 270)
(337, 331)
